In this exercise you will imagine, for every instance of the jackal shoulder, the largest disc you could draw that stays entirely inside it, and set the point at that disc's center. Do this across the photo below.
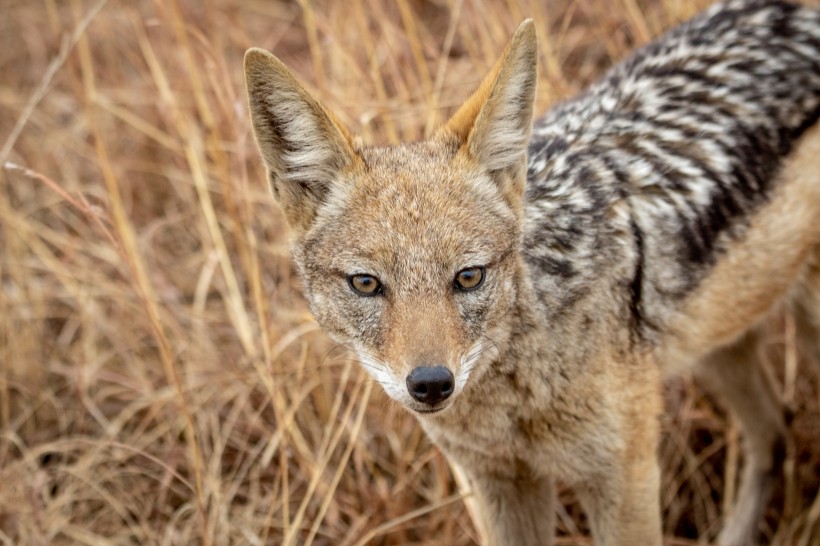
(664, 162)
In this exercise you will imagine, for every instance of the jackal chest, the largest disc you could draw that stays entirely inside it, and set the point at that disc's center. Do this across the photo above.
(519, 433)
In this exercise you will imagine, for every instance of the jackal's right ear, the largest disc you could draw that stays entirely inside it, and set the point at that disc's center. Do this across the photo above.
(304, 147)
(494, 125)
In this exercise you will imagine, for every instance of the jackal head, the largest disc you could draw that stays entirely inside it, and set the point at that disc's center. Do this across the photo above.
(408, 253)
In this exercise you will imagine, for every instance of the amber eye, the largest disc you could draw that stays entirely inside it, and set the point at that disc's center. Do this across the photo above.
(469, 278)
(365, 285)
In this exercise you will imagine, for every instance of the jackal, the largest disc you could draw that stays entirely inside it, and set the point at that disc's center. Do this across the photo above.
(523, 288)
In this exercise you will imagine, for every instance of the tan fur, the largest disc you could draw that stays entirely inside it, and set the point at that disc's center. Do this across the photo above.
(732, 299)
(575, 397)
(722, 316)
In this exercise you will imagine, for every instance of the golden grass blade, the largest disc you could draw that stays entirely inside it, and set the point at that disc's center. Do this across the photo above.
(412, 32)
(731, 468)
(234, 300)
(341, 466)
(394, 523)
(313, 41)
(329, 446)
(441, 70)
(812, 526)
(373, 67)
(143, 126)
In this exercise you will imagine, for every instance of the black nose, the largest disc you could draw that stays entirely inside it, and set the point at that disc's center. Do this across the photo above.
(430, 385)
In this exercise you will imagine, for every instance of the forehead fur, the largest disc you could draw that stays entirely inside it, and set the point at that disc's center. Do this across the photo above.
(417, 203)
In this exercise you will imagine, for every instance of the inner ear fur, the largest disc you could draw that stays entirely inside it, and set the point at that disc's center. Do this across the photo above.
(493, 126)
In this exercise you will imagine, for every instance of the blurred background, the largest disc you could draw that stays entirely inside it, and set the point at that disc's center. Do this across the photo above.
(161, 380)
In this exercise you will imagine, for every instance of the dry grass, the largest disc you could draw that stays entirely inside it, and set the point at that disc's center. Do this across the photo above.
(161, 381)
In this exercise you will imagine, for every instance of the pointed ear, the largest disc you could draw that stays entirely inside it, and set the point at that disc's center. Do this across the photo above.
(494, 124)
(303, 146)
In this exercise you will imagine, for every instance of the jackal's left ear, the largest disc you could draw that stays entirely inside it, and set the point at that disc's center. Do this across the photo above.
(303, 145)
(495, 123)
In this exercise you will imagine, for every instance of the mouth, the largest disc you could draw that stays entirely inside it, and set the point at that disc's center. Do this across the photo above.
(430, 411)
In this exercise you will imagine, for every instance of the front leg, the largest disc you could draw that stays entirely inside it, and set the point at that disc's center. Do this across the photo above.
(623, 508)
(510, 511)
(621, 494)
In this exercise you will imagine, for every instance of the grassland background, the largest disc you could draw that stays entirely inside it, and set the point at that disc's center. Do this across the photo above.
(161, 381)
